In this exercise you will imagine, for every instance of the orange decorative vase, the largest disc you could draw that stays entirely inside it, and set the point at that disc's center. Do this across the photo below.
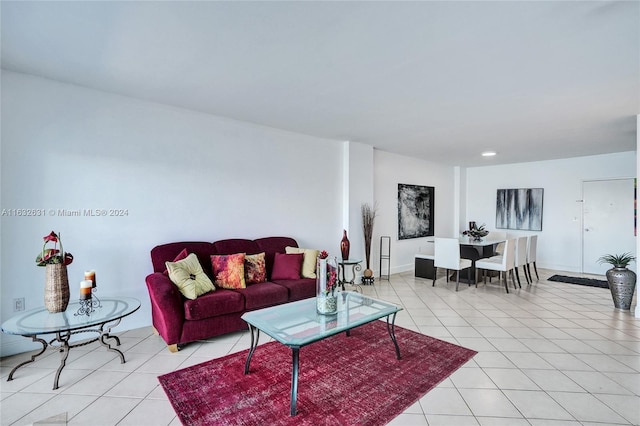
(344, 245)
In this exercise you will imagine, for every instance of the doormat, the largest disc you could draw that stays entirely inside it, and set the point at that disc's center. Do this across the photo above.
(354, 380)
(591, 282)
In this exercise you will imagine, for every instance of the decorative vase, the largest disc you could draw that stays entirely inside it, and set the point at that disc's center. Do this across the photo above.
(622, 283)
(56, 288)
(326, 283)
(344, 245)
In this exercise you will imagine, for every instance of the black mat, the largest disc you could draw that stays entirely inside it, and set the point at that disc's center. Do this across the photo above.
(580, 281)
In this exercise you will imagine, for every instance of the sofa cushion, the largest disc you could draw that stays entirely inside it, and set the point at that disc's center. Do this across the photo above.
(168, 252)
(308, 262)
(302, 288)
(188, 275)
(182, 255)
(271, 246)
(219, 302)
(265, 294)
(236, 245)
(287, 266)
(255, 270)
(228, 270)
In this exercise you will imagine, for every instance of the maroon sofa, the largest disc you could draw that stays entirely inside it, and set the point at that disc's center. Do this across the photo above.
(179, 320)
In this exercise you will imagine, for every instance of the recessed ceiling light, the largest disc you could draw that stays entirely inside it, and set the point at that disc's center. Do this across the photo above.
(489, 153)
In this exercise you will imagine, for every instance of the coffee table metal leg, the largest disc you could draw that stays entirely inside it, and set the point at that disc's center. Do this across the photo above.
(33, 357)
(254, 344)
(391, 328)
(105, 335)
(294, 380)
(63, 339)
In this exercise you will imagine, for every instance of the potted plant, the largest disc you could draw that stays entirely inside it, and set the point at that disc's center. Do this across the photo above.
(622, 281)
(477, 233)
(55, 261)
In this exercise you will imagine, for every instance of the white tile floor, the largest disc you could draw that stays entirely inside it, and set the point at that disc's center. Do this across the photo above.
(549, 354)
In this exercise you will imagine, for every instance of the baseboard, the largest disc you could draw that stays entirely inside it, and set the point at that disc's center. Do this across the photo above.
(11, 345)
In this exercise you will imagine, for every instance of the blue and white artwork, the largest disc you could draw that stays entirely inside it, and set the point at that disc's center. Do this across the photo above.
(519, 209)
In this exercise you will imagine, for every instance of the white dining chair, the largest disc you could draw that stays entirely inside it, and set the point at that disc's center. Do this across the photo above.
(521, 258)
(531, 256)
(498, 235)
(503, 264)
(447, 255)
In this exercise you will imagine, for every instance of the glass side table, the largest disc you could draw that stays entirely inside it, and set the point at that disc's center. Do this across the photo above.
(355, 267)
(65, 324)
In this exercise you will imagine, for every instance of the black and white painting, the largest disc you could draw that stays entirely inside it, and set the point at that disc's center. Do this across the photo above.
(415, 211)
(519, 209)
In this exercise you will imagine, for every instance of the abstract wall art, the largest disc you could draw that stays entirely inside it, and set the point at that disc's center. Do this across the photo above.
(519, 209)
(415, 211)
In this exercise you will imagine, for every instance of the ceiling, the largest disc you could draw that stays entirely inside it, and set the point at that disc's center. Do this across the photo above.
(441, 81)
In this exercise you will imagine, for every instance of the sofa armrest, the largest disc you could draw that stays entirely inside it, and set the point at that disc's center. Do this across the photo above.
(167, 307)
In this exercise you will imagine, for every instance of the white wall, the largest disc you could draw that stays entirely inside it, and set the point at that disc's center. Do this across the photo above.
(560, 242)
(359, 169)
(392, 169)
(181, 175)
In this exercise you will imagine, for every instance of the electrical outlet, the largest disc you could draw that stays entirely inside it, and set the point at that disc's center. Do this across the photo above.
(18, 304)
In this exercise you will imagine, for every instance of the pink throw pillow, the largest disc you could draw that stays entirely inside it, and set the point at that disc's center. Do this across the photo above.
(287, 266)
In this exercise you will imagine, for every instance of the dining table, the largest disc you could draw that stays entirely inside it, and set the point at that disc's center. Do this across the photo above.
(474, 249)
(470, 248)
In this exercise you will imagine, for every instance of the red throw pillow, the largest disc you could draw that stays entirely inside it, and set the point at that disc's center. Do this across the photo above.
(287, 266)
(182, 255)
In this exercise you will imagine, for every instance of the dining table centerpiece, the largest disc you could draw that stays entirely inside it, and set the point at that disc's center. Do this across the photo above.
(55, 261)
(326, 284)
(477, 233)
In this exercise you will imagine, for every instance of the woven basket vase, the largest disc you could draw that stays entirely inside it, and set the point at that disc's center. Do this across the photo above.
(56, 288)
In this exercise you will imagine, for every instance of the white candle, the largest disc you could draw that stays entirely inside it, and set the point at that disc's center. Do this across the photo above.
(85, 289)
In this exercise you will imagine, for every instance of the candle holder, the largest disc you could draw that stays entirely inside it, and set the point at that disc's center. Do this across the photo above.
(96, 301)
(86, 307)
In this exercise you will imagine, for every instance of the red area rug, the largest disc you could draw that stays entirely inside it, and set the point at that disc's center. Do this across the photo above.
(354, 380)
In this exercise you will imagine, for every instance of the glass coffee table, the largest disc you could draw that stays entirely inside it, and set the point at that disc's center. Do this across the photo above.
(74, 320)
(297, 324)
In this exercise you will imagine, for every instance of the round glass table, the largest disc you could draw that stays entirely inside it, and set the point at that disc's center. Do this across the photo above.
(99, 318)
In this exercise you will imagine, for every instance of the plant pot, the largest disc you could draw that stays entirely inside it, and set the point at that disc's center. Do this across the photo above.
(622, 283)
(327, 304)
(56, 288)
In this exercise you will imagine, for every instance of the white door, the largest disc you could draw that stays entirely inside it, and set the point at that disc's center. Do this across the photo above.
(608, 215)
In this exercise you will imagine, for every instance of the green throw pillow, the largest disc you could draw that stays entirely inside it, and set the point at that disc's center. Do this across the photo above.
(188, 275)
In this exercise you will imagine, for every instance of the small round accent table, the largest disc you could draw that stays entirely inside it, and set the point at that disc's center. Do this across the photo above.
(355, 267)
(63, 325)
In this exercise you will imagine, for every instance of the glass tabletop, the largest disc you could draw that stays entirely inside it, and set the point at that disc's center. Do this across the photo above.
(40, 321)
(349, 261)
(298, 323)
